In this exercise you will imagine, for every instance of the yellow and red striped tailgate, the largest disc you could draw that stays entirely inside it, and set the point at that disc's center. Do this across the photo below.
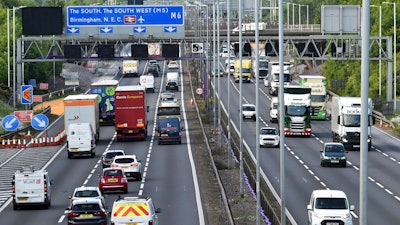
(131, 209)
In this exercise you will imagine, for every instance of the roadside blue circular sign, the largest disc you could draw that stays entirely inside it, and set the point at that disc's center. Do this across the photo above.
(10, 123)
(40, 122)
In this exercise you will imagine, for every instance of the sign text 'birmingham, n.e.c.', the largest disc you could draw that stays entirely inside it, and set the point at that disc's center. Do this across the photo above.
(79, 16)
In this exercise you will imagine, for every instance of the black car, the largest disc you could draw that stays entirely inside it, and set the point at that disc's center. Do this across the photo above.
(153, 69)
(87, 211)
(172, 85)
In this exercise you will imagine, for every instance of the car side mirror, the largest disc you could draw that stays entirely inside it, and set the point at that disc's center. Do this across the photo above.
(352, 207)
(158, 210)
(182, 128)
(51, 182)
(68, 208)
(309, 207)
(321, 150)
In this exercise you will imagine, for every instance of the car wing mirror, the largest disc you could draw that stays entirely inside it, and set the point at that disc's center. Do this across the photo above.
(158, 210)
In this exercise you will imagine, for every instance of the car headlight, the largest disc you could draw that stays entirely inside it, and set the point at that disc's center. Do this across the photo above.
(326, 157)
(317, 215)
(343, 157)
(347, 215)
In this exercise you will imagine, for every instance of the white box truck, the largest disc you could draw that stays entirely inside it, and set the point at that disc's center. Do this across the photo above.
(130, 68)
(82, 108)
(31, 187)
(346, 121)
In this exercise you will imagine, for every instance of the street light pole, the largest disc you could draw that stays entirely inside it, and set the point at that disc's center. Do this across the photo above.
(394, 49)
(380, 51)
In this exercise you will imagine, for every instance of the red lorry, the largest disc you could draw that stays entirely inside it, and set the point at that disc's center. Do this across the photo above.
(130, 112)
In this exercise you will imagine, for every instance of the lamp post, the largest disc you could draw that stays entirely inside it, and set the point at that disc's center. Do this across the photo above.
(394, 48)
(380, 44)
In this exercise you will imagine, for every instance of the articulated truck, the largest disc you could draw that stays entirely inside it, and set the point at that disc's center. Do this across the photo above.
(105, 90)
(130, 112)
(297, 119)
(318, 94)
(346, 121)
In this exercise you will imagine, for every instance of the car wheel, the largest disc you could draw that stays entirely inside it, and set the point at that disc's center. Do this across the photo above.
(322, 164)
(126, 191)
(344, 164)
(139, 178)
(93, 154)
(254, 118)
(69, 155)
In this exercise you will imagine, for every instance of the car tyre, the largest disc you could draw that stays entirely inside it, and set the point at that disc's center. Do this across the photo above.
(139, 178)
(322, 164)
(69, 155)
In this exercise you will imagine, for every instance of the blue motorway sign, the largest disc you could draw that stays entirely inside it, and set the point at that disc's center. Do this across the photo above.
(40, 121)
(84, 16)
(10, 123)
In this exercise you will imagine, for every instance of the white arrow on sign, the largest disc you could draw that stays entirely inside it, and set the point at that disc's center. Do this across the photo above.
(73, 30)
(41, 123)
(9, 124)
(106, 30)
(170, 29)
(139, 29)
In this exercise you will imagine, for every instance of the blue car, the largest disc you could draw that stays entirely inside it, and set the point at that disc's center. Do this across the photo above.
(333, 153)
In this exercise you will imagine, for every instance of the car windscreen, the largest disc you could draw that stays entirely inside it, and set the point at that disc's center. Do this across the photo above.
(331, 203)
(110, 155)
(86, 193)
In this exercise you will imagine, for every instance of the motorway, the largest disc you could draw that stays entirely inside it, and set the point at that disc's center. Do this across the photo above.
(170, 177)
(303, 171)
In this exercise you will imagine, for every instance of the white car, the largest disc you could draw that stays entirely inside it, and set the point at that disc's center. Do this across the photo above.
(87, 192)
(249, 111)
(269, 136)
(173, 65)
(129, 163)
(329, 207)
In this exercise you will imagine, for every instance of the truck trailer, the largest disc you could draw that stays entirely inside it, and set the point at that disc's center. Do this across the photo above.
(130, 68)
(82, 108)
(318, 94)
(105, 90)
(346, 121)
(130, 112)
(297, 119)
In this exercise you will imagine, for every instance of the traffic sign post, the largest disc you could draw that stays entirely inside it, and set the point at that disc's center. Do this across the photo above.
(10, 123)
(40, 122)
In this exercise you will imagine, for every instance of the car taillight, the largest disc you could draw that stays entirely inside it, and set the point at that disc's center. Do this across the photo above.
(134, 164)
(45, 187)
(72, 214)
(150, 222)
(102, 180)
(100, 213)
(92, 142)
(13, 189)
(124, 180)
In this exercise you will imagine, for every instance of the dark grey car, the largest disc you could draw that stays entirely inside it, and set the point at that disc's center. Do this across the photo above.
(108, 156)
(87, 211)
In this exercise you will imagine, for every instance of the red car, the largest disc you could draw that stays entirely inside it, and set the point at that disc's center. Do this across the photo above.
(113, 179)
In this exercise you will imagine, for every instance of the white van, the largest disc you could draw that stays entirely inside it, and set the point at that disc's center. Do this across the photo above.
(329, 207)
(134, 210)
(273, 110)
(173, 77)
(31, 188)
(147, 81)
(80, 140)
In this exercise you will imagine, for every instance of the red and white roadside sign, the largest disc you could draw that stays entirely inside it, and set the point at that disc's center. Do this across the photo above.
(24, 116)
(44, 86)
(37, 98)
(199, 91)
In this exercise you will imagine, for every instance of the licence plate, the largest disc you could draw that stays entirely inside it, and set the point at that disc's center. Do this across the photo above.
(130, 131)
(112, 180)
(334, 161)
(164, 135)
(74, 149)
(356, 146)
(131, 224)
(124, 167)
(23, 198)
(332, 223)
(86, 216)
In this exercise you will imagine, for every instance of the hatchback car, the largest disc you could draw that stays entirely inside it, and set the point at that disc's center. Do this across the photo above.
(269, 136)
(129, 163)
(333, 153)
(173, 65)
(249, 111)
(167, 94)
(214, 72)
(87, 211)
(113, 179)
(172, 85)
(87, 192)
(109, 155)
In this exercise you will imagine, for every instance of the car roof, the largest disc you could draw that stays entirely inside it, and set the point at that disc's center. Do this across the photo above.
(248, 105)
(114, 150)
(333, 143)
(84, 188)
(130, 199)
(329, 194)
(111, 168)
(87, 200)
(268, 128)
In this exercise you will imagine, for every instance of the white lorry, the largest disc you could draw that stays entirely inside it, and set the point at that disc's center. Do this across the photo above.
(130, 68)
(82, 108)
(346, 121)
(31, 187)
